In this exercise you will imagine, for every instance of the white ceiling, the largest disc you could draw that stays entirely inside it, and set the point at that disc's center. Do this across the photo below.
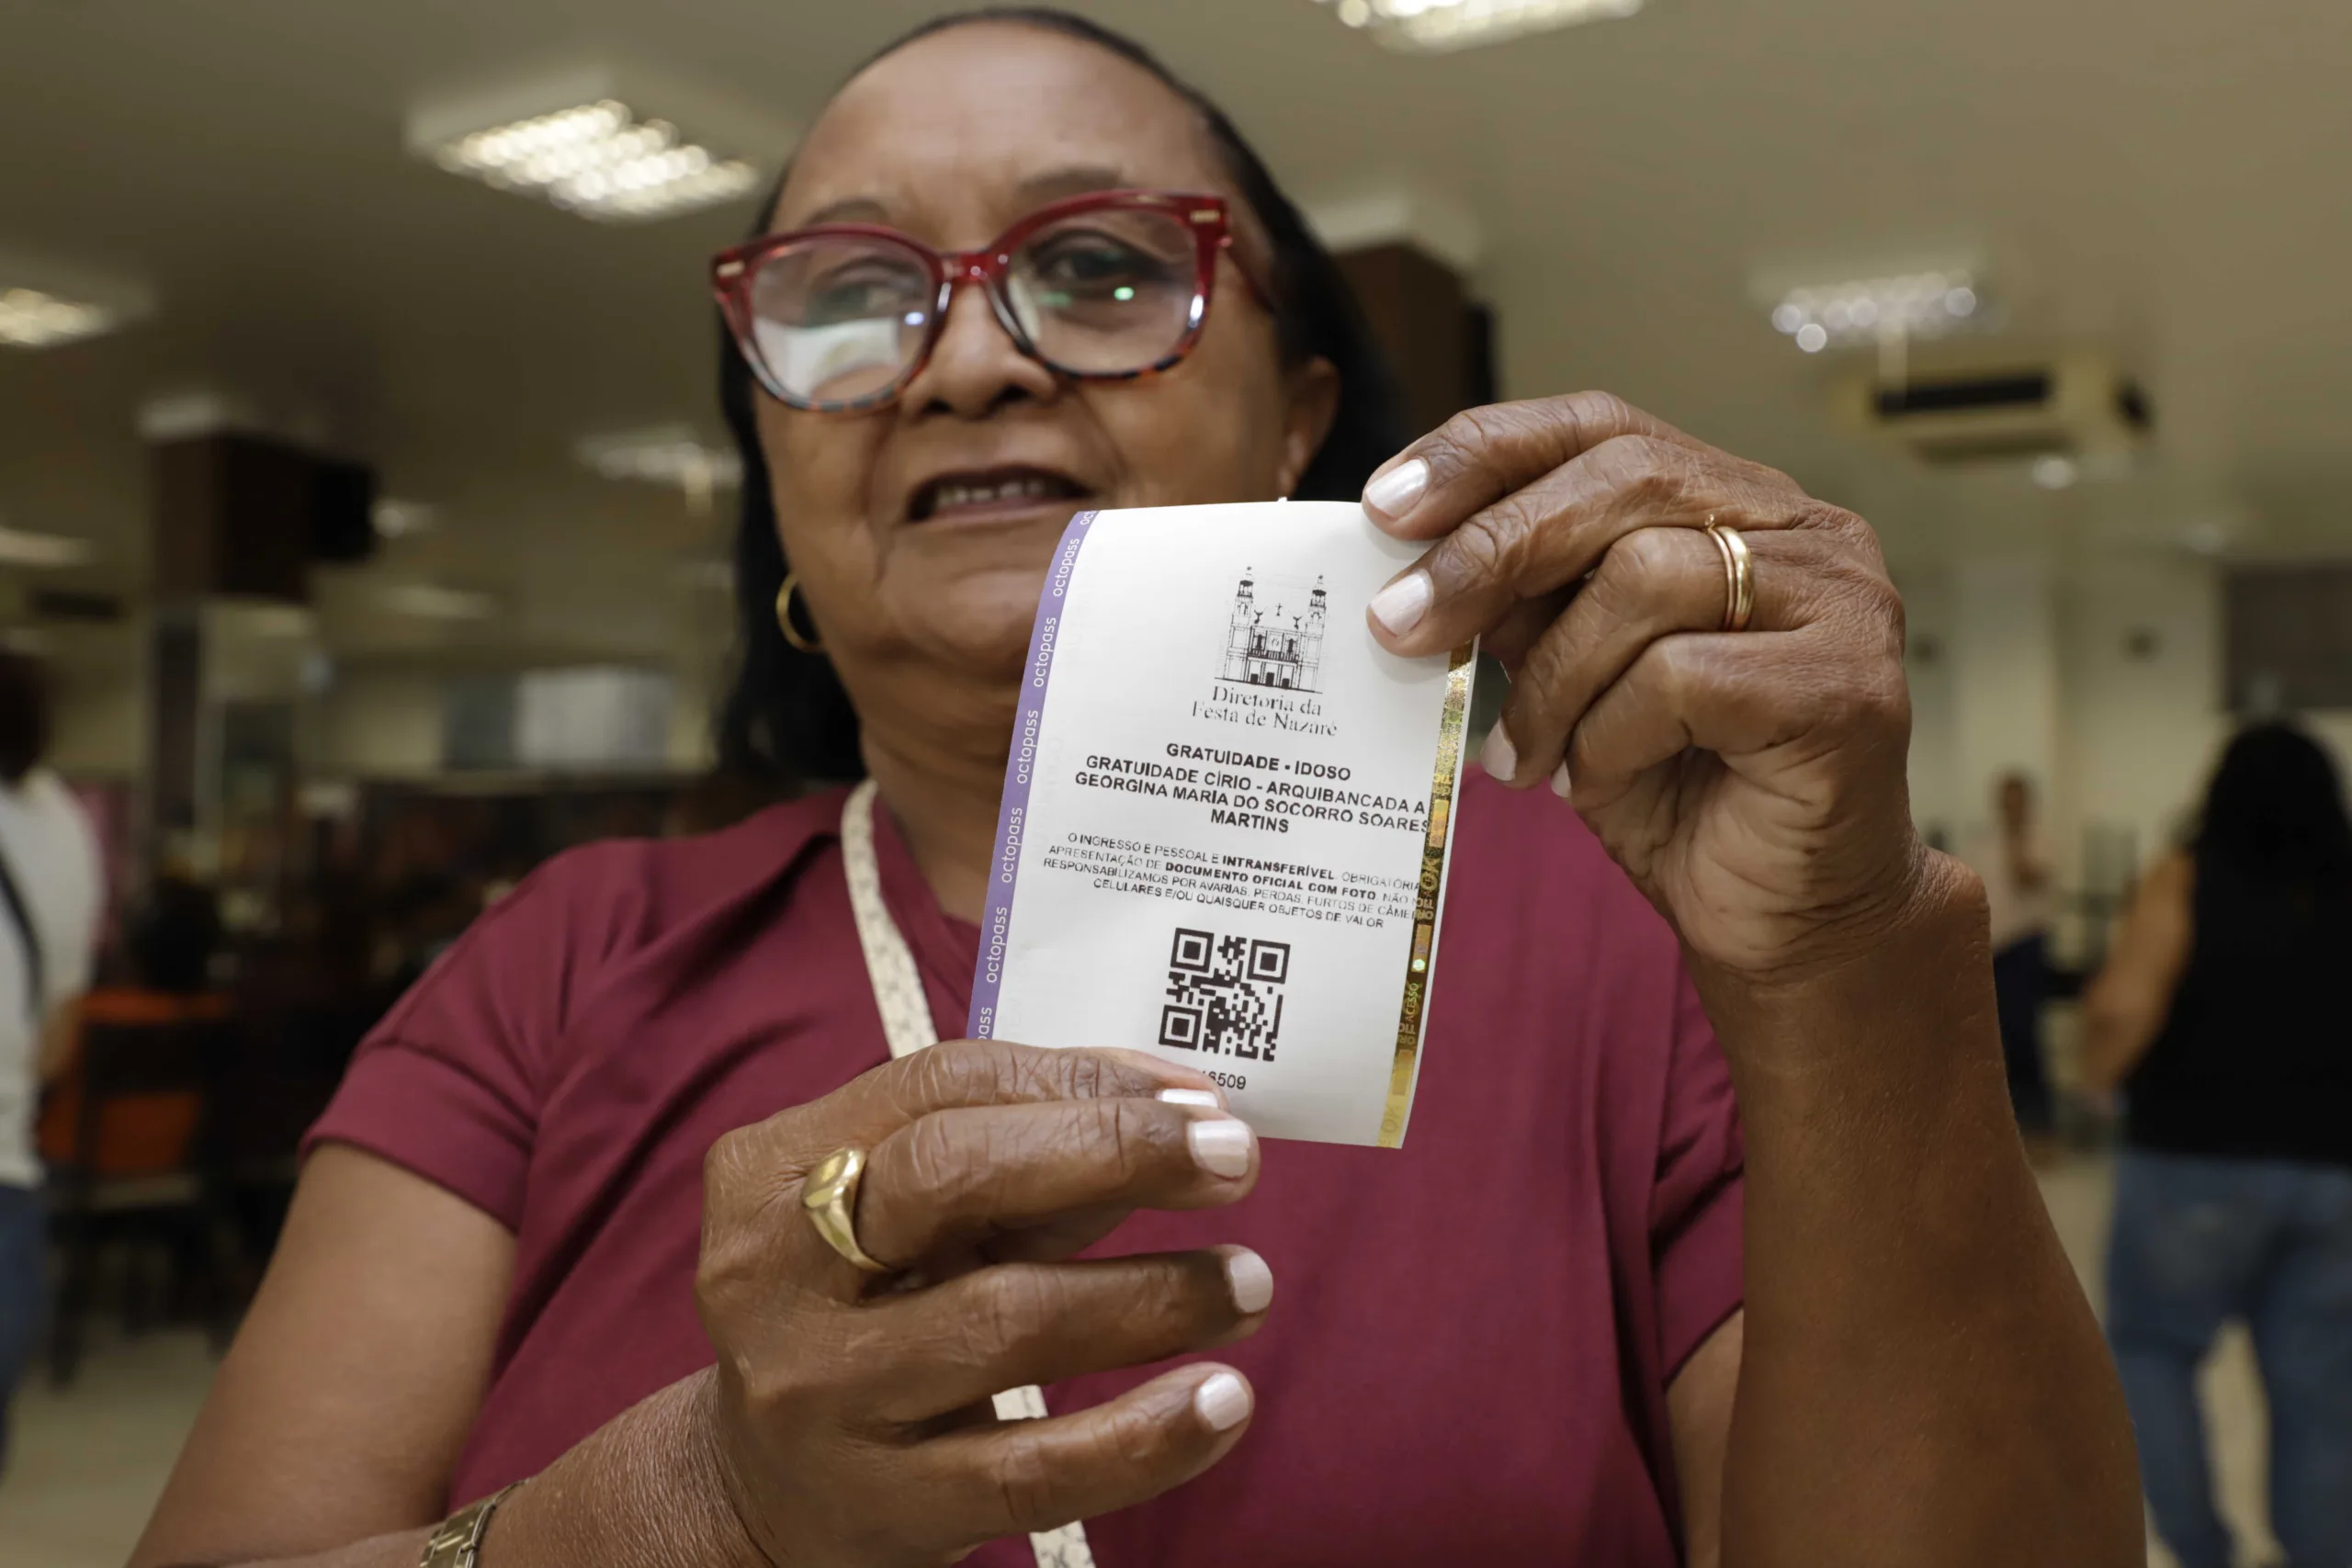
(2163, 180)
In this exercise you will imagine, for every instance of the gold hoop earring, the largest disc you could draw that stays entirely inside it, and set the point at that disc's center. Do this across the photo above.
(783, 617)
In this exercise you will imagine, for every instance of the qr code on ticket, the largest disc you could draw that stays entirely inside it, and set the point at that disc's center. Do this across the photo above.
(1225, 994)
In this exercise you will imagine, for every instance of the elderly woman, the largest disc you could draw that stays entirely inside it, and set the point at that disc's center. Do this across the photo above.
(551, 1232)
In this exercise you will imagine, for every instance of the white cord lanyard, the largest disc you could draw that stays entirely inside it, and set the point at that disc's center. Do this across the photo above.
(907, 1025)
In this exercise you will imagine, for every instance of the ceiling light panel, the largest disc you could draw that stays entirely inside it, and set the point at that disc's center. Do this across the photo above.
(601, 160)
(1871, 310)
(615, 150)
(44, 551)
(32, 319)
(44, 305)
(431, 601)
(667, 454)
(1429, 27)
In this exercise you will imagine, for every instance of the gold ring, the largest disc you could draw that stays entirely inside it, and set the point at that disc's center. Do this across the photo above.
(830, 1199)
(1739, 576)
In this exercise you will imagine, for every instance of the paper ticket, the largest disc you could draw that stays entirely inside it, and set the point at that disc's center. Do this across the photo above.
(1225, 826)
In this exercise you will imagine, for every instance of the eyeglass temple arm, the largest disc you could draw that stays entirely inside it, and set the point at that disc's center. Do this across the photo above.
(1227, 245)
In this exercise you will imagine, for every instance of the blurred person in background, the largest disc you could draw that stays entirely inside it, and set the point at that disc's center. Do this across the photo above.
(2012, 861)
(52, 894)
(2220, 1014)
(573, 1163)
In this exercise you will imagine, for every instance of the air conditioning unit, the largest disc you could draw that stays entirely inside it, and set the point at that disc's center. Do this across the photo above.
(2073, 406)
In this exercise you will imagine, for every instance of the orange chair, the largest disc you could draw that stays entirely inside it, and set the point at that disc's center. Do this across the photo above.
(135, 1134)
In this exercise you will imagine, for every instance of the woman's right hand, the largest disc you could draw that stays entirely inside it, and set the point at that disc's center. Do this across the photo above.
(852, 1412)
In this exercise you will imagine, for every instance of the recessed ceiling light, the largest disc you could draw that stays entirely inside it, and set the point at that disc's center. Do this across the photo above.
(47, 552)
(590, 143)
(1436, 25)
(430, 602)
(1871, 310)
(2056, 470)
(397, 519)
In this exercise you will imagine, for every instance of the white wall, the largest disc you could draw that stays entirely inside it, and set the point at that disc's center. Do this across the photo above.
(2141, 664)
(2007, 683)
(384, 722)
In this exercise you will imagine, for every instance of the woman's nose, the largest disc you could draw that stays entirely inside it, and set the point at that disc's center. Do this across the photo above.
(976, 365)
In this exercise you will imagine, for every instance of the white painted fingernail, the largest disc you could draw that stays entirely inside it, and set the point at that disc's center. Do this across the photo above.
(1499, 756)
(1251, 1283)
(1205, 1099)
(1395, 491)
(1221, 1147)
(1401, 604)
(1223, 1401)
(1560, 785)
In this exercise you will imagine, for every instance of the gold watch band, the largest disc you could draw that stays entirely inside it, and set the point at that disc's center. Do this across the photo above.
(456, 1542)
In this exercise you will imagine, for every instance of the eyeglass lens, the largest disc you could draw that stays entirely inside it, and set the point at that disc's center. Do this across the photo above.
(839, 319)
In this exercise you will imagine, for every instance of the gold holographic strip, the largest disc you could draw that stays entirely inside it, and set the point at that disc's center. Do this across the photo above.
(1451, 722)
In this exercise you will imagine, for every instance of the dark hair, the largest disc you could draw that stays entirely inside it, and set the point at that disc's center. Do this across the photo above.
(24, 715)
(785, 715)
(2274, 814)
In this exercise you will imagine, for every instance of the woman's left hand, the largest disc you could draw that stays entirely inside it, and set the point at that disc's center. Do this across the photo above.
(1751, 783)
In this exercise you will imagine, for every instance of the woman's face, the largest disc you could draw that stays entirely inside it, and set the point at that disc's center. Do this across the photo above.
(950, 139)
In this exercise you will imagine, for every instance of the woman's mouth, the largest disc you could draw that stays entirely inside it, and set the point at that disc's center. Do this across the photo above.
(992, 495)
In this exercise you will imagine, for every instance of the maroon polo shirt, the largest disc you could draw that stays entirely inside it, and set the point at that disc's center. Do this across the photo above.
(1471, 1339)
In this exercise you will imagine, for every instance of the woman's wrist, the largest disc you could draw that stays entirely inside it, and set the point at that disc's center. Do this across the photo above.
(1903, 992)
(650, 1487)
(712, 1479)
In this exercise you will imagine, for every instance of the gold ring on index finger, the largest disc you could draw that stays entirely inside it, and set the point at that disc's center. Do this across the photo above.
(1739, 576)
(830, 1200)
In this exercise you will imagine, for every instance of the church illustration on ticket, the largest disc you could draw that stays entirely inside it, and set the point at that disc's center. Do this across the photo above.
(1275, 638)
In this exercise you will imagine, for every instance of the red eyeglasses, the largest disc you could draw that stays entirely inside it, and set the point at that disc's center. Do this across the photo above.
(1104, 287)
